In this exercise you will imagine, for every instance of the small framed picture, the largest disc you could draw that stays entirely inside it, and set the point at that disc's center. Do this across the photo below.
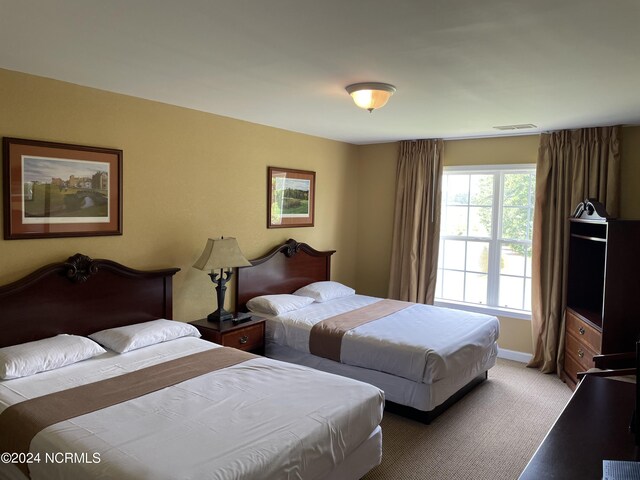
(60, 190)
(290, 197)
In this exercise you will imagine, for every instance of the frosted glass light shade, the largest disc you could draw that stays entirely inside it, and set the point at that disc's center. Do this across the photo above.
(370, 95)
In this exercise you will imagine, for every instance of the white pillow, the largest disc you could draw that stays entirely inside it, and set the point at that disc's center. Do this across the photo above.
(132, 337)
(48, 354)
(325, 291)
(278, 304)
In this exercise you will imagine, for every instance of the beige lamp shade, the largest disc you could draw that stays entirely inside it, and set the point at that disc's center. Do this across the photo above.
(221, 253)
(370, 95)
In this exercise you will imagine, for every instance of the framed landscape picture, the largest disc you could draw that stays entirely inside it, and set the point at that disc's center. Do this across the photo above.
(60, 190)
(290, 197)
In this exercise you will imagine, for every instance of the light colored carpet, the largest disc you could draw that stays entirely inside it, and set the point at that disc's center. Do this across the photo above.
(490, 434)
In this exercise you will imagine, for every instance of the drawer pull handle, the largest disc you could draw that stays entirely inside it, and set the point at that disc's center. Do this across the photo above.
(580, 353)
(581, 330)
(244, 339)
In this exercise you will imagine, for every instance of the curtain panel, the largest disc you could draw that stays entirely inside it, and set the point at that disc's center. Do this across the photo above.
(416, 229)
(572, 165)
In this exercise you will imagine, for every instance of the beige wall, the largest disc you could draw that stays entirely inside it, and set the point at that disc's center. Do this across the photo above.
(376, 197)
(188, 176)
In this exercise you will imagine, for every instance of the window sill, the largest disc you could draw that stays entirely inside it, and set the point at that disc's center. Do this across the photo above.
(488, 310)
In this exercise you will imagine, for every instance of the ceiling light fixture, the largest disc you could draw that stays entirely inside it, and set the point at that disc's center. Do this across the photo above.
(370, 95)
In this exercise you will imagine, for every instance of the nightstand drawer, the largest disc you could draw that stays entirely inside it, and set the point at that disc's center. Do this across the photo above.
(249, 338)
(246, 335)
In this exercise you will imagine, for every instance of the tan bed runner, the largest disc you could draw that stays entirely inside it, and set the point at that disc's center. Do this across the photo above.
(20, 422)
(325, 339)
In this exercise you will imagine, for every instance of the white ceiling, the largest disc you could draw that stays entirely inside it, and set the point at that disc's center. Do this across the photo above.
(461, 67)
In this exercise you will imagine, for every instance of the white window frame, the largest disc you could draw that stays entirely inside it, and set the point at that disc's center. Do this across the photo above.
(494, 250)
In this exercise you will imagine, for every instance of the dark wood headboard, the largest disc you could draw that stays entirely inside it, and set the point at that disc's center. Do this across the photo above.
(283, 270)
(81, 296)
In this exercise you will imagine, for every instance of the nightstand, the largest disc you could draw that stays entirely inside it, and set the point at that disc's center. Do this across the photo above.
(247, 336)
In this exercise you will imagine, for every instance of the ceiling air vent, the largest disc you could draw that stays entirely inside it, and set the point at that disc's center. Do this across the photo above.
(521, 126)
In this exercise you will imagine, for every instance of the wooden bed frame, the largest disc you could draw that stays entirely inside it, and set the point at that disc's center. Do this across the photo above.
(293, 265)
(81, 296)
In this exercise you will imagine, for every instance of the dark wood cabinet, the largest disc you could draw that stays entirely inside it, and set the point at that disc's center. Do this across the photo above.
(603, 282)
(247, 336)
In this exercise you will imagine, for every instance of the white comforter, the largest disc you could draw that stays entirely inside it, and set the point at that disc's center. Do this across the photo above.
(260, 419)
(422, 343)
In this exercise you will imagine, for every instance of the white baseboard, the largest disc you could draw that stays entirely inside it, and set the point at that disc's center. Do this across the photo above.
(513, 355)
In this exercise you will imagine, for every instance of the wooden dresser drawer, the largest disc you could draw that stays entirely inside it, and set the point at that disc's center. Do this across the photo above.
(580, 329)
(571, 369)
(580, 352)
(245, 339)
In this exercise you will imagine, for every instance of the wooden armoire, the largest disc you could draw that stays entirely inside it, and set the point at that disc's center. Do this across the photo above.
(603, 285)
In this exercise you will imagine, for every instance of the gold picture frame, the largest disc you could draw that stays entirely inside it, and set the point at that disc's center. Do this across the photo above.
(60, 190)
(290, 197)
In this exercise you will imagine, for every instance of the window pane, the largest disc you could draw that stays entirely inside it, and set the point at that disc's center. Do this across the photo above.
(532, 192)
(480, 221)
(527, 294)
(530, 226)
(511, 291)
(516, 189)
(439, 284)
(452, 285)
(456, 221)
(476, 288)
(528, 260)
(481, 190)
(512, 259)
(515, 222)
(457, 189)
(478, 257)
(454, 254)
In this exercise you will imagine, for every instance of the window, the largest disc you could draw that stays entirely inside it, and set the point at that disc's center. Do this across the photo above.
(485, 239)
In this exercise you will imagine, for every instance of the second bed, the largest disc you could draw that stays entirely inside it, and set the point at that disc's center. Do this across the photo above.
(423, 357)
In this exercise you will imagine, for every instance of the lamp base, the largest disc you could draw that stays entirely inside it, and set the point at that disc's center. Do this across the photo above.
(220, 280)
(220, 316)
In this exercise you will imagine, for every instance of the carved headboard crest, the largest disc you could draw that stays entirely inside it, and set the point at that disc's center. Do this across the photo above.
(79, 268)
(291, 248)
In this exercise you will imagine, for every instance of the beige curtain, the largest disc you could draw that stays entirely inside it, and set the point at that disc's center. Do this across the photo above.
(416, 232)
(572, 166)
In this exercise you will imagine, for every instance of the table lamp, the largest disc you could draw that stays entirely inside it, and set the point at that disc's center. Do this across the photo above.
(221, 254)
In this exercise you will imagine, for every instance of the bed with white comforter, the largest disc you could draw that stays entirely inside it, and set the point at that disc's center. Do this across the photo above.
(421, 343)
(423, 357)
(260, 419)
(419, 356)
